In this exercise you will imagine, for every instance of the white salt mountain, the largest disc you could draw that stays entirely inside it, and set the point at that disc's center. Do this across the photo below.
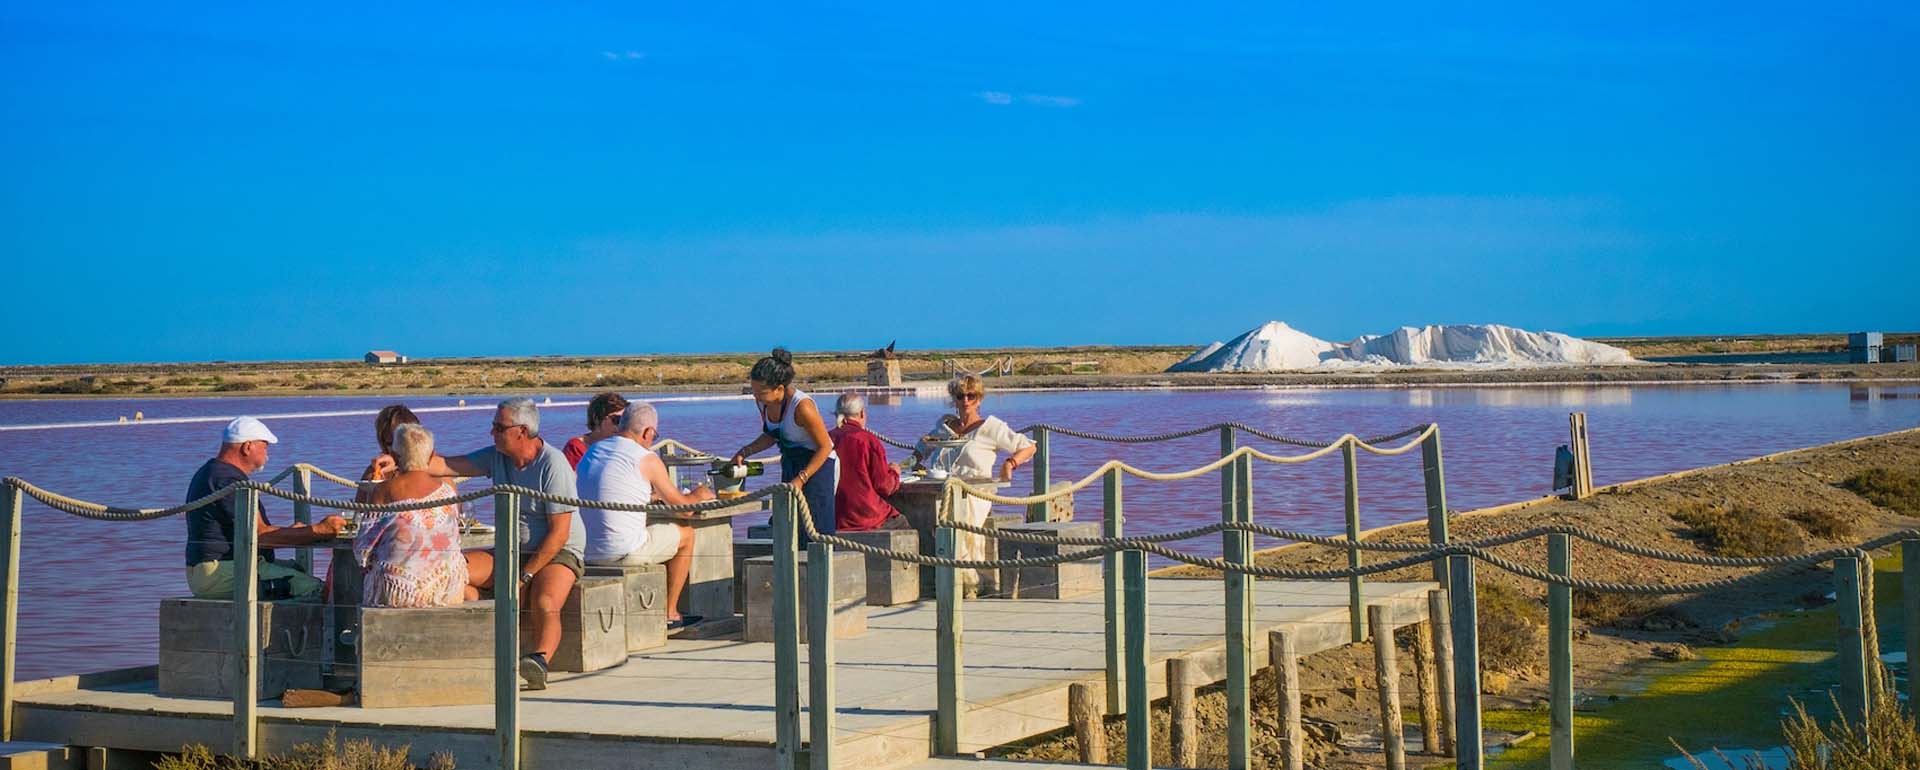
(1274, 346)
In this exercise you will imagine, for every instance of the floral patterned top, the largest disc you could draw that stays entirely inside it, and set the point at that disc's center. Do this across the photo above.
(413, 558)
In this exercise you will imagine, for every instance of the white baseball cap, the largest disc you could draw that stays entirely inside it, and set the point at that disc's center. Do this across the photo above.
(244, 429)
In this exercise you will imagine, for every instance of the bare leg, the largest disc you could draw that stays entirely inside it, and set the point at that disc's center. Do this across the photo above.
(479, 570)
(678, 568)
(546, 595)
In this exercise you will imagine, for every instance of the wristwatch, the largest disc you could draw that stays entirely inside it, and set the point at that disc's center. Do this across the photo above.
(526, 577)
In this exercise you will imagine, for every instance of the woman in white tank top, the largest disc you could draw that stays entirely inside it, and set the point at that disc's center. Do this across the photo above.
(790, 420)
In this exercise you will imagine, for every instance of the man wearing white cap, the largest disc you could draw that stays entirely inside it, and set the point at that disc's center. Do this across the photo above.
(243, 450)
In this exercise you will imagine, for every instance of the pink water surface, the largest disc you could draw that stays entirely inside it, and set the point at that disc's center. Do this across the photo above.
(89, 588)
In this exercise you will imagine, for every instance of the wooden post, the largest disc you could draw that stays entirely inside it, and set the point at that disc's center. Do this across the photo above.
(1582, 459)
(1042, 471)
(1909, 596)
(1424, 685)
(1560, 653)
(1853, 655)
(1112, 524)
(303, 514)
(786, 631)
(1085, 713)
(1439, 612)
(10, 611)
(1436, 483)
(820, 705)
(1228, 475)
(1239, 550)
(1386, 681)
(1139, 698)
(246, 624)
(506, 628)
(1183, 733)
(1464, 614)
(1356, 616)
(1284, 657)
(948, 692)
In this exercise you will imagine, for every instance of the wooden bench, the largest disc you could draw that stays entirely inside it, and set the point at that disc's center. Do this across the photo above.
(428, 656)
(593, 633)
(849, 596)
(196, 647)
(745, 548)
(645, 588)
(889, 582)
(1053, 581)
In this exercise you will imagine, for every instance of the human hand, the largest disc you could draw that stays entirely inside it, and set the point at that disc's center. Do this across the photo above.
(383, 466)
(701, 493)
(329, 526)
(1006, 469)
(740, 458)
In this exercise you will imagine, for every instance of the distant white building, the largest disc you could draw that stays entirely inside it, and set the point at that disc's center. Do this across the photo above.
(384, 357)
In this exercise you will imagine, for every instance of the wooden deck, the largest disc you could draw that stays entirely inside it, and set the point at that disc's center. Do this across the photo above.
(695, 705)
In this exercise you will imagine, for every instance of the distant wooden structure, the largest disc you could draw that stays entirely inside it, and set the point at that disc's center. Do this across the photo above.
(883, 368)
(383, 357)
(1063, 367)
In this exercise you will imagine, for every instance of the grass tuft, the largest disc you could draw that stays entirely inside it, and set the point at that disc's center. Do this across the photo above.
(1732, 530)
(1895, 488)
(1513, 627)
(327, 754)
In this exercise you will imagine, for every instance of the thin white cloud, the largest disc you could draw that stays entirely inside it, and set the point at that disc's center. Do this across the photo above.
(610, 55)
(623, 55)
(635, 55)
(1047, 100)
(996, 97)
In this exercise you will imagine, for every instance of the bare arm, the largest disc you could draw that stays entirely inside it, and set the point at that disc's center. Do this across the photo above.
(756, 446)
(297, 534)
(457, 465)
(808, 416)
(1017, 459)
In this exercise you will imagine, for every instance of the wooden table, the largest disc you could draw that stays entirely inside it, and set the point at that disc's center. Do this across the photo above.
(919, 500)
(709, 592)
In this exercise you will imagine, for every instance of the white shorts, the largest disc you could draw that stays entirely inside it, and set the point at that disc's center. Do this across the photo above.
(662, 541)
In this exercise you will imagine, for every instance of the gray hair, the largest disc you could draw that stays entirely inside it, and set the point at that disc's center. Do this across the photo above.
(524, 413)
(640, 416)
(412, 446)
(849, 405)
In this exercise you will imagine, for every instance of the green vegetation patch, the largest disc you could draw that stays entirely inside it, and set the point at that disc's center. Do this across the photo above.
(1735, 530)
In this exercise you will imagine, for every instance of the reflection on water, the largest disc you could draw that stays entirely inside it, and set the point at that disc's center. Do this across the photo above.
(107, 577)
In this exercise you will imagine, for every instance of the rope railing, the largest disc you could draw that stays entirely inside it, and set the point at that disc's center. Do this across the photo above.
(1188, 433)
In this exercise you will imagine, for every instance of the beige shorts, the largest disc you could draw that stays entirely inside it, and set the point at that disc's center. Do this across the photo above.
(214, 579)
(663, 540)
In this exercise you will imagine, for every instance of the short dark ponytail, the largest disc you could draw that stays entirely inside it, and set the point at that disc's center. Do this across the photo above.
(775, 370)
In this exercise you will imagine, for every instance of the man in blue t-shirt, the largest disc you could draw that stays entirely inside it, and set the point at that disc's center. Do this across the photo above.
(551, 538)
(243, 450)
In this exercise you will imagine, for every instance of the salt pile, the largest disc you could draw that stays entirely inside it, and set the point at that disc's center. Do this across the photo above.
(1275, 346)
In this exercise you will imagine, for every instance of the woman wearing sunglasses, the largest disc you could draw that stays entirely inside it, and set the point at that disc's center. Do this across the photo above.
(986, 438)
(603, 420)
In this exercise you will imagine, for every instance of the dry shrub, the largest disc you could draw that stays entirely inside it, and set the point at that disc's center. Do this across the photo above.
(1646, 613)
(1513, 627)
(1824, 524)
(327, 754)
(1733, 530)
(1889, 740)
(1895, 488)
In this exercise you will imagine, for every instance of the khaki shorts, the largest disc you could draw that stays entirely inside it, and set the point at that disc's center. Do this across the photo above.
(663, 540)
(214, 579)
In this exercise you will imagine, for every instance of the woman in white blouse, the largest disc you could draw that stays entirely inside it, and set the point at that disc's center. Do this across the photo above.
(986, 438)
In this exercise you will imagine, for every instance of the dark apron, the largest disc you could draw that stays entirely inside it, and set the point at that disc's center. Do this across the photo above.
(818, 490)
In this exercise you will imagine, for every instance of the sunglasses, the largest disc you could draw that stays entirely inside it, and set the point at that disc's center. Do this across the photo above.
(969, 397)
(499, 428)
(615, 417)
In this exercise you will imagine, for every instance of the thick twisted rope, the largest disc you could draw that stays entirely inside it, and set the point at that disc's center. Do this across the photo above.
(1214, 428)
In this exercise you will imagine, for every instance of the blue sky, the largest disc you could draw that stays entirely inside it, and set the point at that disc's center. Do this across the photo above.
(251, 181)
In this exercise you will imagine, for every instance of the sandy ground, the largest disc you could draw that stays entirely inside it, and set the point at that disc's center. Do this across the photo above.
(1604, 657)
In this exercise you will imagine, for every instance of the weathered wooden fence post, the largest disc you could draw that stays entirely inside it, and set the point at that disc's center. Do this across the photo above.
(1139, 697)
(1428, 692)
(1386, 681)
(506, 628)
(1464, 615)
(947, 690)
(10, 611)
(1439, 611)
(246, 625)
(1853, 656)
(1042, 471)
(1284, 657)
(1112, 525)
(1087, 715)
(1910, 601)
(1582, 457)
(1560, 653)
(1356, 614)
(786, 630)
(1238, 548)
(303, 513)
(1436, 483)
(1183, 730)
(820, 704)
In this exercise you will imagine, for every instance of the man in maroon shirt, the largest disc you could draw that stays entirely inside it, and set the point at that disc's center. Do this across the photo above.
(866, 478)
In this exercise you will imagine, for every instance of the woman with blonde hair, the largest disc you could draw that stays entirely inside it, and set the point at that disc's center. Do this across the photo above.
(412, 558)
(986, 437)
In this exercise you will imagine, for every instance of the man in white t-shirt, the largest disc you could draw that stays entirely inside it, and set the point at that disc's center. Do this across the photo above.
(622, 469)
